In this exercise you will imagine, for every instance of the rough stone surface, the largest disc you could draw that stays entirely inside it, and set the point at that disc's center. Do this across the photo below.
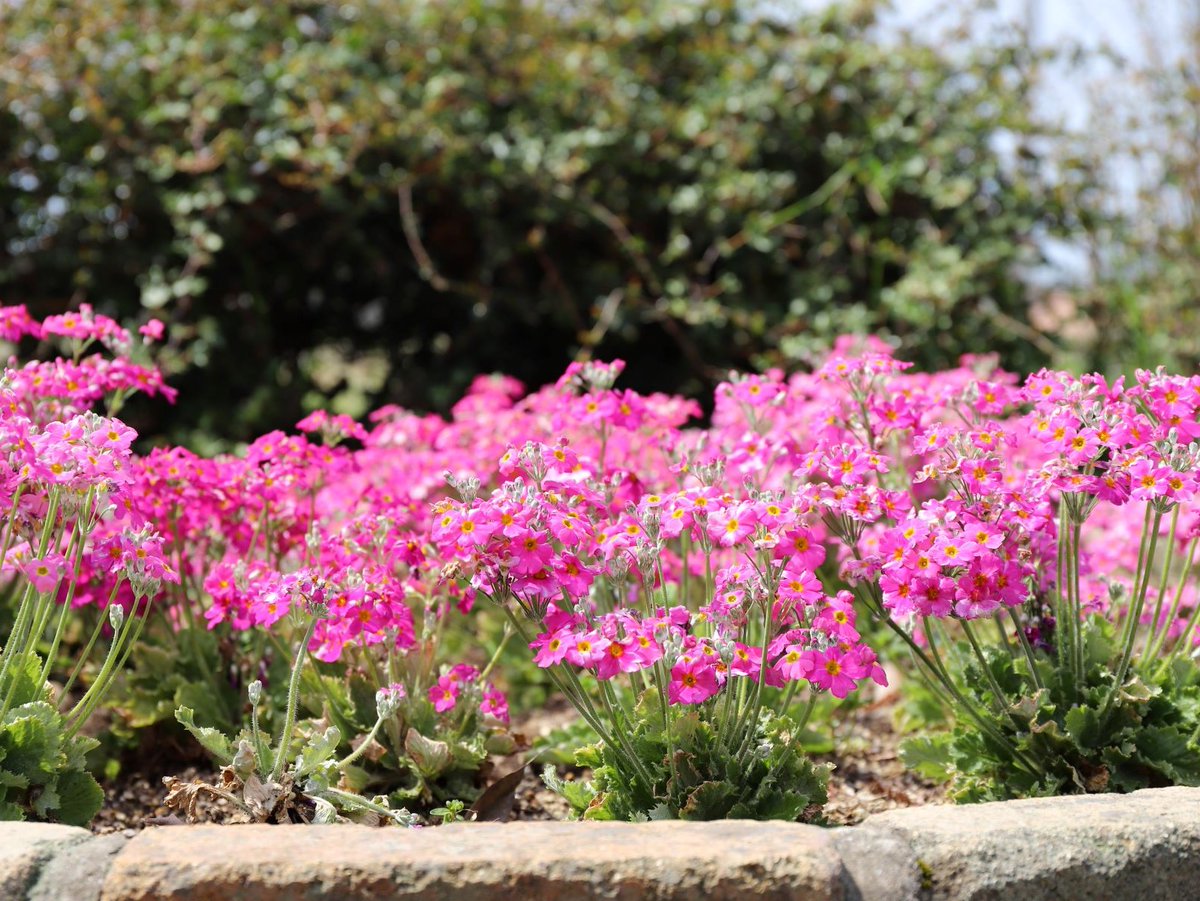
(877, 863)
(481, 862)
(25, 847)
(1142, 846)
(76, 871)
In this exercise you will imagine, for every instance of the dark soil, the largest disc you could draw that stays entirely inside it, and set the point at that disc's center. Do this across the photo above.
(869, 776)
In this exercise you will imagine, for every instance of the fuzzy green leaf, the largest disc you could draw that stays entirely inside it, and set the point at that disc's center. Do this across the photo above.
(31, 739)
(431, 757)
(217, 745)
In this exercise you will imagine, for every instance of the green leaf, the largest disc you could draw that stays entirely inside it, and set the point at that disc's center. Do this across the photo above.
(1083, 725)
(430, 756)
(354, 778)
(204, 703)
(10, 779)
(25, 684)
(10, 812)
(77, 750)
(1098, 645)
(708, 801)
(602, 808)
(1168, 750)
(929, 756)
(31, 739)
(590, 756)
(47, 800)
(217, 745)
(80, 798)
(319, 748)
(579, 794)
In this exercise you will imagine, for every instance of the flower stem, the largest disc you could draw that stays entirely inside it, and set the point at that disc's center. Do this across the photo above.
(289, 718)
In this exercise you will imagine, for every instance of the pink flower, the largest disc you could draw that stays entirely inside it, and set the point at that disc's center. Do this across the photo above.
(692, 681)
(444, 694)
(732, 525)
(953, 550)
(835, 672)
(800, 586)
(494, 704)
(587, 650)
(796, 663)
(621, 657)
(45, 572)
(746, 660)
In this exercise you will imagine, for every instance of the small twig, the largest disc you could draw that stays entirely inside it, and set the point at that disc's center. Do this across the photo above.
(408, 221)
(604, 320)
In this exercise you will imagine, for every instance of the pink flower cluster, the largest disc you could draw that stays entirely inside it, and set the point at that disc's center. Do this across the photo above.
(634, 542)
(68, 482)
(444, 693)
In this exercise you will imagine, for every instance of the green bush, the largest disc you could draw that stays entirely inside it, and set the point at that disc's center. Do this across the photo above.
(338, 202)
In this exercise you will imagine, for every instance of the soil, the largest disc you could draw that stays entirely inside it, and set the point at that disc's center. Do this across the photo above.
(868, 778)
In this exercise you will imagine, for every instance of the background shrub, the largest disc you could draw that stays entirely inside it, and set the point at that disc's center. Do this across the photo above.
(343, 202)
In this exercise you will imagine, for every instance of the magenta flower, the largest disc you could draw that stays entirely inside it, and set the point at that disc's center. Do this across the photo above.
(45, 572)
(692, 681)
(444, 694)
(835, 672)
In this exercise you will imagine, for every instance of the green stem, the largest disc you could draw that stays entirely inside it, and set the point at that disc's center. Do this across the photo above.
(101, 619)
(1142, 579)
(578, 699)
(1157, 643)
(77, 535)
(116, 655)
(289, 718)
(1168, 557)
(21, 639)
(260, 752)
(1076, 606)
(362, 748)
(1028, 649)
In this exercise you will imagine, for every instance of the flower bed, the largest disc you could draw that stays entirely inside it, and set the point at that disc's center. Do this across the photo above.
(340, 619)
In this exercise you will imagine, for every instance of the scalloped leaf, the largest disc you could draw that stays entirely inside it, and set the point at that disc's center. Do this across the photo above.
(215, 743)
(80, 798)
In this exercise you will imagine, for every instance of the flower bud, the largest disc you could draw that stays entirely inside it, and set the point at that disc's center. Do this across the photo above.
(387, 700)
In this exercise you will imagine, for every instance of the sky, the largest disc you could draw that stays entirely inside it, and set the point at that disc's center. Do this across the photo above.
(1081, 99)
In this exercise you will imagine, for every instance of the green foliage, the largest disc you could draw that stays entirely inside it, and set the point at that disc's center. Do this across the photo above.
(163, 676)
(421, 758)
(695, 777)
(333, 202)
(1067, 741)
(309, 789)
(359, 755)
(43, 769)
(558, 746)
(525, 684)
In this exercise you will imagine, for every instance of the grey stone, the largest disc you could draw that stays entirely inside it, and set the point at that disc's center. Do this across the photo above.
(878, 865)
(76, 872)
(25, 847)
(1143, 846)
